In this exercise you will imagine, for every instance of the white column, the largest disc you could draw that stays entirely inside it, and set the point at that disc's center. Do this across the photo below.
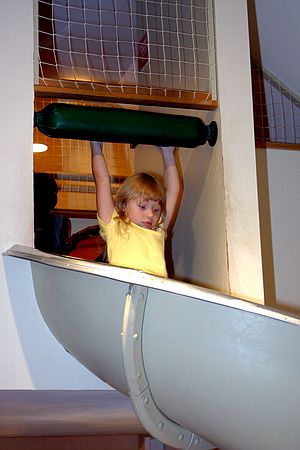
(238, 150)
(16, 203)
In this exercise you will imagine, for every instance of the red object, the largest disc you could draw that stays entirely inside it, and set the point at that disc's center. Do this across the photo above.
(87, 244)
(86, 249)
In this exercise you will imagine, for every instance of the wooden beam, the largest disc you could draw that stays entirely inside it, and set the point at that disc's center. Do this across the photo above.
(130, 95)
(277, 146)
(67, 412)
(60, 419)
(77, 213)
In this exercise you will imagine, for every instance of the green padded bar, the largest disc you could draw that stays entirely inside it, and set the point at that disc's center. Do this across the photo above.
(59, 120)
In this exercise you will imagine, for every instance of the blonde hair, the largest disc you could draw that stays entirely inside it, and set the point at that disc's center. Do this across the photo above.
(142, 187)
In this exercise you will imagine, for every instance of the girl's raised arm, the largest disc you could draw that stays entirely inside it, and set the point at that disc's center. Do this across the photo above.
(172, 183)
(104, 199)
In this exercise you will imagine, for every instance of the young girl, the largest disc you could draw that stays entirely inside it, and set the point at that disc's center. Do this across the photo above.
(135, 226)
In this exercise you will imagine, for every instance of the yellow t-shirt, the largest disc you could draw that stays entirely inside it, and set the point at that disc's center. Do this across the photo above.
(129, 245)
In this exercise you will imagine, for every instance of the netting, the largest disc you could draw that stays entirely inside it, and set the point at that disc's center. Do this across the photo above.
(276, 109)
(137, 47)
(124, 51)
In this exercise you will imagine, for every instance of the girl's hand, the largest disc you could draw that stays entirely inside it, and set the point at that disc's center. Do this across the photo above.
(167, 149)
(96, 147)
(168, 155)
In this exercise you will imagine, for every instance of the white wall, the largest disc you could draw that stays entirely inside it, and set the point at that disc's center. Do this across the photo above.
(275, 34)
(200, 239)
(280, 213)
(30, 356)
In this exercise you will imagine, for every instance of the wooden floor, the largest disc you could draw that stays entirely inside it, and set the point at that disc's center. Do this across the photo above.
(68, 420)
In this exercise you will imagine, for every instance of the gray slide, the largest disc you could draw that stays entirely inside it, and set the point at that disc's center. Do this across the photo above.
(202, 369)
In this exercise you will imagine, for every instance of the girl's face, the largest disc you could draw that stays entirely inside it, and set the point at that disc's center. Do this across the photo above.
(145, 213)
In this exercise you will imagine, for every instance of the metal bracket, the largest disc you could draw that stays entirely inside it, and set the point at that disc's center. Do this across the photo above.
(154, 421)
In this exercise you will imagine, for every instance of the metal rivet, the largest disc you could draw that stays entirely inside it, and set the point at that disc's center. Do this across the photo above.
(146, 400)
(135, 336)
(160, 425)
(180, 437)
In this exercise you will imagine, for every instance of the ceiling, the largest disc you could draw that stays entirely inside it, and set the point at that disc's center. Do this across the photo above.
(275, 37)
